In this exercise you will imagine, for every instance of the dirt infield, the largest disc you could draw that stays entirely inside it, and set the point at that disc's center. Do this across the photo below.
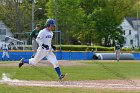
(46, 63)
(66, 62)
(99, 84)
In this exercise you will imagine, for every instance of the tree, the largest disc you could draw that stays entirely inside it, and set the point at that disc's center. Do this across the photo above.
(15, 15)
(40, 16)
(90, 7)
(81, 21)
(70, 18)
(108, 19)
(18, 16)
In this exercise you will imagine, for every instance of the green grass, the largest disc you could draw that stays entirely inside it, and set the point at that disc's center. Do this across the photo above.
(90, 71)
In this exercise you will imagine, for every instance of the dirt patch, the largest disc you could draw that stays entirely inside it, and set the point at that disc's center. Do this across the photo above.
(46, 63)
(99, 84)
(65, 62)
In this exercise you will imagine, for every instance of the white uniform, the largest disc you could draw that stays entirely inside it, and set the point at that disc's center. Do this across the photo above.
(5, 51)
(44, 37)
(117, 48)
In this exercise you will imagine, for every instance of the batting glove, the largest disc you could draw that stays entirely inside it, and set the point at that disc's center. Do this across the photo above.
(53, 47)
(45, 46)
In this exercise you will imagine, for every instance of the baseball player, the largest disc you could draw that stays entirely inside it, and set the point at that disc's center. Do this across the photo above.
(117, 51)
(44, 39)
(5, 52)
(34, 36)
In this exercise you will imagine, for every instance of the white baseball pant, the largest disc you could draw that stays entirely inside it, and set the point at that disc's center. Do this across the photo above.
(41, 53)
(5, 54)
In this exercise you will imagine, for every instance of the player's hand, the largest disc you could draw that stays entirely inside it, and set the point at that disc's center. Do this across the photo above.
(45, 46)
(53, 47)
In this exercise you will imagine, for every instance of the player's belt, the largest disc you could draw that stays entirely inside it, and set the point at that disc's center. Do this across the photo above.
(45, 48)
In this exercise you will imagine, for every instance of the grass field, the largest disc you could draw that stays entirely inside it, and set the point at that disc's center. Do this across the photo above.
(88, 71)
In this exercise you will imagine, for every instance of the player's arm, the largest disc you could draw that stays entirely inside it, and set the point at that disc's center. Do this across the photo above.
(121, 48)
(32, 34)
(115, 48)
(39, 41)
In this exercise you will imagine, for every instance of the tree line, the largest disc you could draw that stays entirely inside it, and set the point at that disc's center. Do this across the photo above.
(93, 22)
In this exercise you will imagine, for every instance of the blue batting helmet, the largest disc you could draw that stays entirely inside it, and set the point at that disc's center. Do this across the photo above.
(50, 22)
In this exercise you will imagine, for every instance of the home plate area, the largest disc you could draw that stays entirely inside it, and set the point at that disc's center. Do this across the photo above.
(103, 84)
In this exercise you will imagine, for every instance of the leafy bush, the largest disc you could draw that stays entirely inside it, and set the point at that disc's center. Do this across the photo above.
(85, 48)
(82, 48)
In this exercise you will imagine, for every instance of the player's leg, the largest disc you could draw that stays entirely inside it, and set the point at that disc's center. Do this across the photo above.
(117, 55)
(35, 47)
(41, 53)
(52, 59)
(7, 55)
(3, 55)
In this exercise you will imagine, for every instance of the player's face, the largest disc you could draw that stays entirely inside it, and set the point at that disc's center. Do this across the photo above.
(52, 28)
(37, 28)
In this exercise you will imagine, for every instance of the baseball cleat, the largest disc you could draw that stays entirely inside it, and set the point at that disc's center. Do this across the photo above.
(21, 62)
(62, 77)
